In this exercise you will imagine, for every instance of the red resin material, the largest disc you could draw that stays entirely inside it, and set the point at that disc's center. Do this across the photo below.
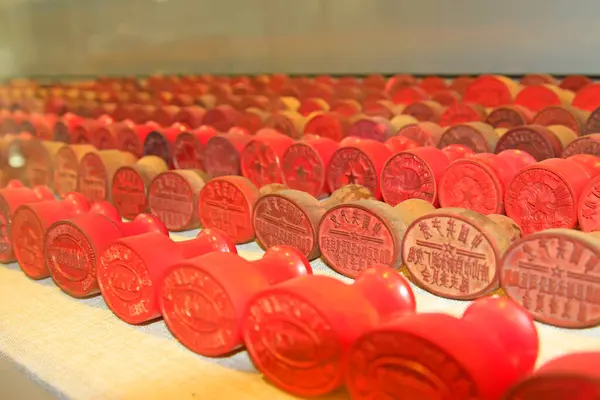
(261, 159)
(438, 356)
(222, 154)
(203, 299)
(298, 333)
(160, 142)
(72, 247)
(131, 269)
(189, 146)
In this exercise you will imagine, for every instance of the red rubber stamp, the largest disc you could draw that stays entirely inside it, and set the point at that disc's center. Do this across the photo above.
(432, 84)
(589, 144)
(537, 79)
(85, 131)
(538, 97)
(304, 165)
(130, 184)
(173, 197)
(360, 162)
(420, 363)
(65, 127)
(374, 128)
(592, 125)
(132, 137)
(572, 376)
(492, 91)
(66, 167)
(131, 269)
(509, 117)
(261, 159)
(96, 172)
(540, 141)
(478, 182)
(587, 98)
(575, 82)
(191, 116)
(469, 241)
(409, 95)
(72, 247)
(457, 151)
(423, 133)
(569, 116)
(227, 204)
(309, 357)
(346, 107)
(353, 236)
(203, 304)
(159, 142)
(222, 154)
(29, 224)
(12, 198)
(413, 174)
(41, 159)
(165, 115)
(188, 148)
(461, 113)
(426, 110)
(221, 117)
(552, 274)
(545, 195)
(478, 136)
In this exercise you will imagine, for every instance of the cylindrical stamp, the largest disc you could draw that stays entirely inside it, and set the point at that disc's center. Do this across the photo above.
(492, 91)
(469, 241)
(427, 110)
(227, 203)
(41, 159)
(252, 120)
(588, 212)
(538, 97)
(346, 107)
(173, 197)
(432, 84)
(311, 105)
(165, 115)
(160, 142)
(190, 116)
(354, 236)
(64, 128)
(66, 167)
(221, 117)
(12, 198)
(374, 128)
(479, 182)
(328, 330)
(410, 348)
(460, 113)
(346, 194)
(188, 147)
(289, 123)
(72, 247)
(540, 141)
(589, 144)
(575, 82)
(132, 137)
(130, 184)
(398, 82)
(359, 161)
(105, 137)
(413, 174)
(457, 151)
(381, 108)
(592, 124)
(130, 270)
(304, 165)
(537, 80)
(509, 116)
(29, 224)
(331, 125)
(271, 188)
(564, 115)
(478, 136)
(222, 154)
(44, 126)
(96, 172)
(571, 376)
(446, 97)
(549, 273)
(288, 217)
(588, 97)
(409, 95)
(423, 133)
(510, 227)
(85, 131)
(546, 195)
(261, 159)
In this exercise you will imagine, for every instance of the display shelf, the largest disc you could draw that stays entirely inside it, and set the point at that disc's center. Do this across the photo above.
(80, 349)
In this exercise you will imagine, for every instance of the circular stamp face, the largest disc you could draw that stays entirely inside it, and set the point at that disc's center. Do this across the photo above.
(70, 259)
(583, 145)
(129, 141)
(419, 135)
(125, 283)
(459, 113)
(292, 344)
(556, 277)
(450, 257)
(556, 387)
(171, 199)
(325, 126)
(198, 311)
(129, 192)
(6, 248)
(260, 164)
(352, 239)
(39, 167)
(65, 171)
(368, 129)
(348, 166)
(303, 169)
(394, 365)
(61, 132)
(467, 136)
(93, 178)
(187, 152)
(28, 240)
(538, 199)
(279, 221)
(505, 117)
(589, 207)
(223, 206)
(471, 185)
(528, 140)
(156, 145)
(221, 158)
(593, 122)
(557, 116)
(406, 176)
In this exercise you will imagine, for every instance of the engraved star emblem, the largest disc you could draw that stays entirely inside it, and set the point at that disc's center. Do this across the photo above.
(468, 195)
(352, 177)
(354, 236)
(556, 271)
(448, 248)
(300, 172)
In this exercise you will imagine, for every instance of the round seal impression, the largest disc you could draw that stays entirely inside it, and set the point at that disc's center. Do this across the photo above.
(93, 178)
(509, 117)
(260, 164)
(28, 236)
(568, 116)
(331, 125)
(349, 165)
(478, 136)
(592, 124)
(227, 203)
(304, 169)
(424, 133)
(66, 166)
(555, 274)
(129, 192)
(454, 254)
(589, 144)
(460, 113)
(537, 140)
(222, 154)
